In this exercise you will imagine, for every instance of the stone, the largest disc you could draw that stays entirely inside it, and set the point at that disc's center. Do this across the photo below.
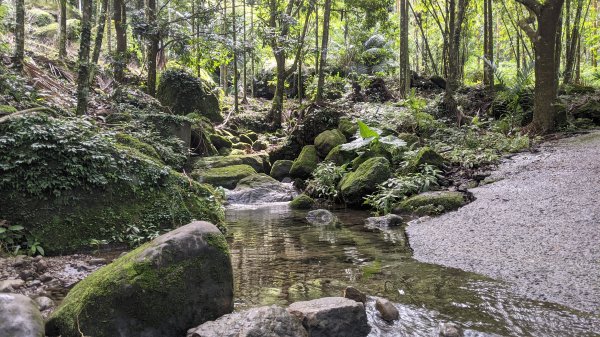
(185, 93)
(339, 156)
(449, 329)
(46, 277)
(260, 145)
(44, 303)
(387, 310)
(20, 317)
(348, 127)
(386, 221)
(220, 142)
(281, 169)
(332, 316)
(321, 217)
(270, 321)
(427, 156)
(97, 261)
(362, 182)
(10, 285)
(179, 280)
(306, 163)
(302, 201)
(260, 188)
(436, 202)
(226, 177)
(259, 162)
(355, 295)
(327, 140)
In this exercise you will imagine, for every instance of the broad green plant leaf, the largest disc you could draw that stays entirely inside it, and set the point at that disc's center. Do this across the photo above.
(366, 131)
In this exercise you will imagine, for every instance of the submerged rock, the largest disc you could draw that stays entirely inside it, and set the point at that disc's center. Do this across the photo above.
(20, 317)
(450, 329)
(386, 309)
(332, 316)
(179, 280)
(260, 188)
(356, 185)
(270, 321)
(321, 217)
(390, 220)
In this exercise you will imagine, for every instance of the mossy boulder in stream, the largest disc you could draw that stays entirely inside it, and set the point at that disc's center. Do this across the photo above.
(69, 182)
(327, 140)
(227, 177)
(184, 93)
(306, 162)
(302, 201)
(362, 182)
(259, 162)
(430, 203)
(179, 280)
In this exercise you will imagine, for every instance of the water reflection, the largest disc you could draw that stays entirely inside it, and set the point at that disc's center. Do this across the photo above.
(279, 258)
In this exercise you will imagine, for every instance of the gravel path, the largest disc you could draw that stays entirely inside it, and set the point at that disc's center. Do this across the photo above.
(538, 228)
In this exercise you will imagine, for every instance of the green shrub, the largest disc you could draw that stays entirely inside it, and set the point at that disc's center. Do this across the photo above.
(324, 181)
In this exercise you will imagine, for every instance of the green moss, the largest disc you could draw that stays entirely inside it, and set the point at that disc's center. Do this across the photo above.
(281, 169)
(39, 17)
(256, 180)
(259, 162)
(427, 156)
(245, 139)
(358, 184)
(218, 241)
(220, 142)
(327, 140)
(137, 144)
(441, 202)
(260, 145)
(7, 109)
(348, 127)
(227, 177)
(302, 201)
(340, 157)
(306, 162)
(50, 31)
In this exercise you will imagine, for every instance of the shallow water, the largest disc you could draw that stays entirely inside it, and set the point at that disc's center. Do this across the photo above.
(279, 258)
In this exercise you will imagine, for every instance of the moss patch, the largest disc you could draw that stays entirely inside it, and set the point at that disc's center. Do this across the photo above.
(327, 140)
(432, 203)
(227, 177)
(358, 184)
(306, 162)
(302, 201)
(259, 162)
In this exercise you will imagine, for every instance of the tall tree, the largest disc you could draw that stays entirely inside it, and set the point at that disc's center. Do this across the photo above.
(19, 34)
(152, 41)
(543, 37)
(235, 60)
(572, 42)
(120, 57)
(83, 76)
(488, 45)
(324, 47)
(404, 55)
(62, 29)
(99, 38)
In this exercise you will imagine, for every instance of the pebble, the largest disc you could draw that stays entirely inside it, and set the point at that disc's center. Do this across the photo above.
(449, 329)
(44, 303)
(387, 309)
(10, 285)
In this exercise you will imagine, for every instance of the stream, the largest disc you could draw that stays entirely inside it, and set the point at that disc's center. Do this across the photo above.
(279, 258)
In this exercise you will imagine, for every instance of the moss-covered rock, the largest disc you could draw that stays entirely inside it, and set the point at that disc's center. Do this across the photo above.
(80, 184)
(340, 157)
(39, 17)
(227, 177)
(259, 162)
(358, 184)
(135, 143)
(348, 127)
(281, 169)
(409, 138)
(220, 142)
(51, 31)
(259, 189)
(179, 280)
(260, 145)
(183, 93)
(253, 136)
(245, 139)
(427, 156)
(430, 203)
(306, 162)
(327, 140)
(302, 201)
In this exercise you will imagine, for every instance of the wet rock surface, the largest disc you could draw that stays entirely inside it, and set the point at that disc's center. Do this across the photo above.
(537, 227)
(20, 317)
(332, 316)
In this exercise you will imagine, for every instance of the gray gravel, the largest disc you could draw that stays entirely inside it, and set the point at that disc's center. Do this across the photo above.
(538, 228)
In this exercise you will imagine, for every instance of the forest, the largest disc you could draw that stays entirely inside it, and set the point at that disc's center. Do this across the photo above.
(299, 168)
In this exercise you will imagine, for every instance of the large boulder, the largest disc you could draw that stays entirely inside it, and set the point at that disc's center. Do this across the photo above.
(302, 201)
(332, 316)
(270, 321)
(20, 317)
(430, 203)
(327, 140)
(79, 183)
(426, 155)
(184, 93)
(306, 162)
(260, 188)
(281, 169)
(362, 182)
(339, 156)
(259, 162)
(179, 280)
(226, 177)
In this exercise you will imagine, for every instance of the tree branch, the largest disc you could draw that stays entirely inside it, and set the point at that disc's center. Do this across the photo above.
(532, 5)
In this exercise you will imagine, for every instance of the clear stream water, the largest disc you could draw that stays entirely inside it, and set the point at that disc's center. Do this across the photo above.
(279, 258)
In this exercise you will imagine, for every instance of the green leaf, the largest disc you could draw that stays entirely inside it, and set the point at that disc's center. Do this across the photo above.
(2, 230)
(15, 228)
(366, 131)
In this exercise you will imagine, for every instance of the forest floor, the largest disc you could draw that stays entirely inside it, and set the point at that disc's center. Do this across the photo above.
(537, 227)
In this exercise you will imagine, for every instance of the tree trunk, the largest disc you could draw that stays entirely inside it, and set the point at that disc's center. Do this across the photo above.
(62, 29)
(19, 34)
(277, 106)
(98, 40)
(404, 56)
(152, 47)
(120, 58)
(455, 20)
(488, 74)
(324, 47)
(572, 45)
(235, 60)
(544, 41)
(83, 83)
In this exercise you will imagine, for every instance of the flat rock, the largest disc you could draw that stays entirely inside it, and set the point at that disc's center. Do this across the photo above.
(20, 317)
(332, 316)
